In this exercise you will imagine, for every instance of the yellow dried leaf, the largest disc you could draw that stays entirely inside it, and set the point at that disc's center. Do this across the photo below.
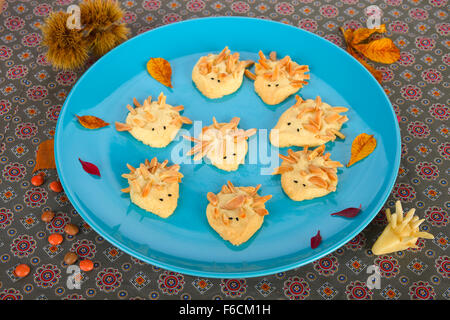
(381, 50)
(45, 156)
(362, 34)
(348, 35)
(92, 122)
(160, 70)
(362, 146)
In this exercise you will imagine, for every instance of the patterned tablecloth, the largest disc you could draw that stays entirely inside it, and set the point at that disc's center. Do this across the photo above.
(31, 96)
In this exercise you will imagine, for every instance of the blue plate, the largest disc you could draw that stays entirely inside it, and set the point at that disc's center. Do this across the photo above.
(185, 242)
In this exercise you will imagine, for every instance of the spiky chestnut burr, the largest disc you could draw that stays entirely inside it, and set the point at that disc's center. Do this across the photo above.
(101, 20)
(67, 48)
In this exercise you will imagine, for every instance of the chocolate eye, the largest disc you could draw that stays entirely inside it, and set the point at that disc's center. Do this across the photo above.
(218, 80)
(225, 157)
(304, 185)
(161, 199)
(234, 154)
(237, 219)
(164, 127)
(230, 218)
(295, 181)
(277, 85)
(212, 78)
(169, 195)
(298, 129)
(268, 85)
(153, 129)
(288, 123)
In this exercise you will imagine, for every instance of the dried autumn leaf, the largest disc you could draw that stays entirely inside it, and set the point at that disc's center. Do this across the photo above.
(348, 212)
(160, 70)
(89, 167)
(92, 122)
(348, 35)
(316, 240)
(362, 146)
(381, 50)
(362, 34)
(45, 156)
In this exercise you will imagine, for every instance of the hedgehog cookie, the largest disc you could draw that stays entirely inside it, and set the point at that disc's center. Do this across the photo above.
(236, 213)
(401, 233)
(223, 144)
(154, 186)
(217, 75)
(308, 174)
(308, 123)
(155, 123)
(275, 80)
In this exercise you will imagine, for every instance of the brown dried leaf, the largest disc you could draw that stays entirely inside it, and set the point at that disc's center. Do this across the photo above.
(160, 70)
(348, 35)
(362, 146)
(45, 156)
(92, 122)
(382, 50)
(362, 34)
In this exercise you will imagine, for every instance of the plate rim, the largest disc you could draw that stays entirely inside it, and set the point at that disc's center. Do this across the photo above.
(240, 274)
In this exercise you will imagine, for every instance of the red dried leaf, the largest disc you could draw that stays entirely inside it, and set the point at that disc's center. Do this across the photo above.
(90, 167)
(348, 213)
(316, 240)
